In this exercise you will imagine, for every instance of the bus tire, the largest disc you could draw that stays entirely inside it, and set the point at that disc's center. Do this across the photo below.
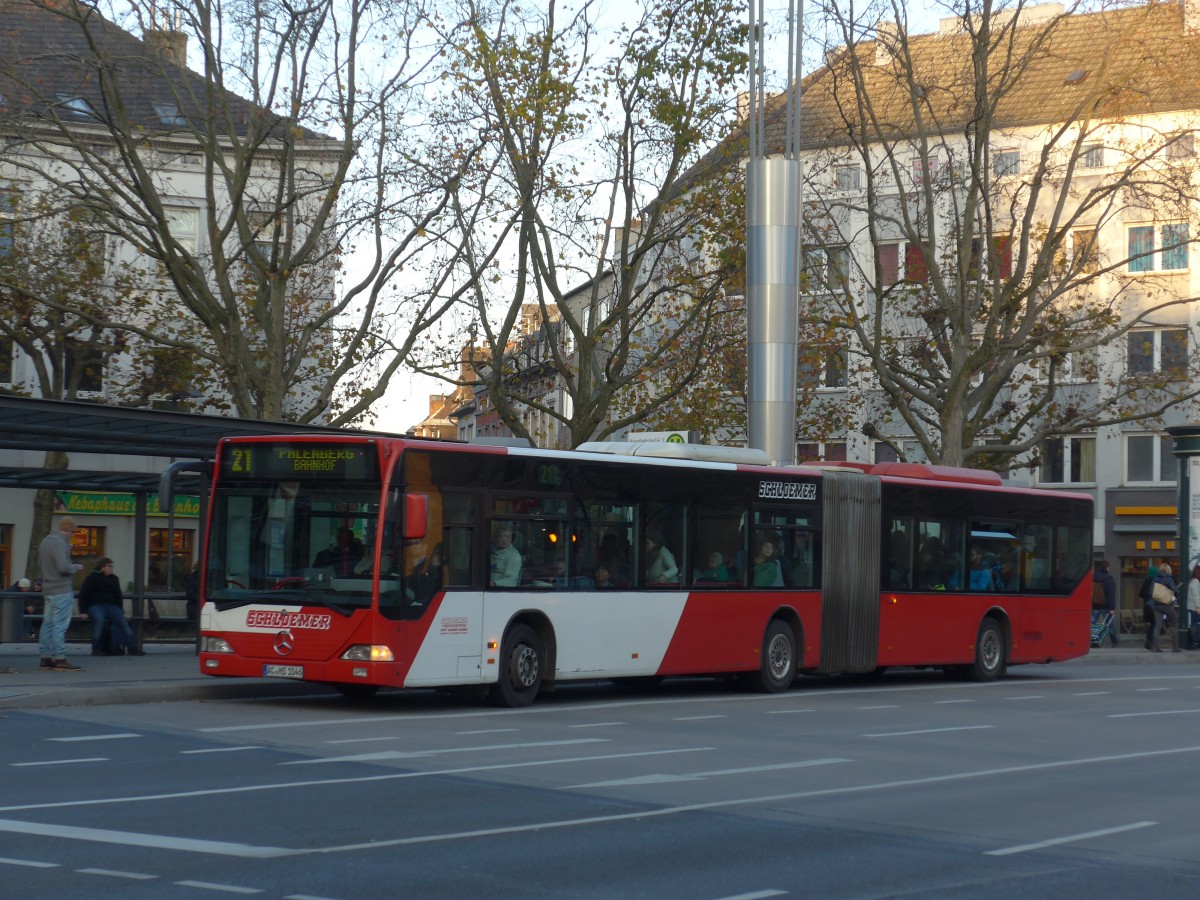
(357, 691)
(777, 661)
(520, 668)
(989, 652)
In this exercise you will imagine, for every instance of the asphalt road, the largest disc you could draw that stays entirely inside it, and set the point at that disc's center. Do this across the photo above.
(1056, 782)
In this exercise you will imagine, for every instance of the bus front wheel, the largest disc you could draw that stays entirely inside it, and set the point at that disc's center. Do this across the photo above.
(520, 668)
(777, 661)
(989, 652)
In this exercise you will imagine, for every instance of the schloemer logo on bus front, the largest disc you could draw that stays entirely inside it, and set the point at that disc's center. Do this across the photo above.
(281, 618)
(787, 490)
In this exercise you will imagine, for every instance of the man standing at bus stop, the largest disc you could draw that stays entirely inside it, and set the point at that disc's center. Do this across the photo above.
(57, 569)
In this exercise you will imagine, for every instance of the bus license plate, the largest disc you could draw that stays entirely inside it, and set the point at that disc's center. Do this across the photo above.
(270, 671)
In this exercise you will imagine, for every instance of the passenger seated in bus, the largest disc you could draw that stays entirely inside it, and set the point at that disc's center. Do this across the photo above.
(980, 576)
(716, 570)
(601, 580)
(767, 571)
(505, 563)
(662, 568)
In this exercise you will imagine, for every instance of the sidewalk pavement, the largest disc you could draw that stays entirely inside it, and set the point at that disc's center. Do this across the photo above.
(172, 672)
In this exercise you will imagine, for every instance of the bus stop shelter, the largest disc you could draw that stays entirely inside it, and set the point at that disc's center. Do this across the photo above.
(165, 437)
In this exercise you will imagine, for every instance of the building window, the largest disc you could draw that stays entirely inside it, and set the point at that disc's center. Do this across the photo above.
(1160, 350)
(1170, 254)
(76, 107)
(1182, 145)
(1068, 460)
(89, 362)
(8, 224)
(1006, 162)
(1001, 257)
(178, 563)
(6, 360)
(87, 543)
(1078, 365)
(168, 114)
(1085, 250)
(828, 269)
(912, 450)
(1148, 459)
(1093, 156)
(902, 261)
(847, 178)
(184, 224)
(821, 451)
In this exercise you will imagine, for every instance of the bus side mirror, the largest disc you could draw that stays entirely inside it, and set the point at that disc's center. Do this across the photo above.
(416, 516)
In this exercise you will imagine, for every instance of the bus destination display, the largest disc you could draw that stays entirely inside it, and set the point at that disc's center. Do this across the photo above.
(338, 462)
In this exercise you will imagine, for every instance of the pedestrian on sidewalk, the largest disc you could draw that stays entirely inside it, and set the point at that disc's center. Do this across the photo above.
(100, 595)
(1164, 609)
(54, 553)
(1108, 585)
(1193, 600)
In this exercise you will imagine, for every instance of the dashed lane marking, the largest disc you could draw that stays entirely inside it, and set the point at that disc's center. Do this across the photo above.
(1068, 839)
(60, 762)
(116, 873)
(95, 737)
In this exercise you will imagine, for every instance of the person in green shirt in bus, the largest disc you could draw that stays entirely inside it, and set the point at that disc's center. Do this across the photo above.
(505, 568)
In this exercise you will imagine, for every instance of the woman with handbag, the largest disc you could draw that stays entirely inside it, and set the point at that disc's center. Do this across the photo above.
(1163, 595)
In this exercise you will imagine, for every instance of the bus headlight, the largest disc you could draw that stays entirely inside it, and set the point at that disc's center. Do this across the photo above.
(370, 653)
(214, 645)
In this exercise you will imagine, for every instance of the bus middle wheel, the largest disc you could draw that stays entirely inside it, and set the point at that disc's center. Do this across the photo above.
(520, 668)
(777, 661)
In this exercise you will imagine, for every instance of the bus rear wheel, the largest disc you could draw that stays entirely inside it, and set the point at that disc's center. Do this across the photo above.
(520, 668)
(989, 652)
(777, 661)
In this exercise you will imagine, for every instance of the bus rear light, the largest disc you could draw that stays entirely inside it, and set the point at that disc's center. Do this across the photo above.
(215, 645)
(370, 653)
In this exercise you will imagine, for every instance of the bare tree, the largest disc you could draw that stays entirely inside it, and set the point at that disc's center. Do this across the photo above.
(580, 208)
(276, 192)
(999, 216)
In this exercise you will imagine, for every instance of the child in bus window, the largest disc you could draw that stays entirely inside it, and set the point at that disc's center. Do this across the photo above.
(716, 570)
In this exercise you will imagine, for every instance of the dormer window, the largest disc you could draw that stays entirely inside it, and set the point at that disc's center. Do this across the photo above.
(168, 114)
(76, 106)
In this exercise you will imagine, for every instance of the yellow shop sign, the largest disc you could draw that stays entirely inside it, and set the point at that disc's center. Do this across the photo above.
(86, 503)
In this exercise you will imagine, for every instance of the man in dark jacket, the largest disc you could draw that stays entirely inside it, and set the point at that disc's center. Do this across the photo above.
(1108, 585)
(101, 596)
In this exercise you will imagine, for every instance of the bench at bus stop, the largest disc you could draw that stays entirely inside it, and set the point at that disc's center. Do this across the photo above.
(163, 619)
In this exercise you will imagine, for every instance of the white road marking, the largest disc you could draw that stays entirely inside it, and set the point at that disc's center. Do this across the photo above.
(114, 873)
(888, 706)
(417, 754)
(486, 731)
(1165, 712)
(953, 701)
(1026, 697)
(221, 749)
(31, 863)
(135, 839)
(61, 762)
(1147, 690)
(1092, 694)
(757, 895)
(929, 731)
(784, 712)
(95, 737)
(224, 888)
(696, 718)
(368, 740)
(1069, 839)
(700, 776)
(360, 779)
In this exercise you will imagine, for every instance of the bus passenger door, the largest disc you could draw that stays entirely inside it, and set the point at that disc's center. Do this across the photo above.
(850, 573)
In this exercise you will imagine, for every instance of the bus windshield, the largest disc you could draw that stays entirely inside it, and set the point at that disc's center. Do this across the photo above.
(292, 542)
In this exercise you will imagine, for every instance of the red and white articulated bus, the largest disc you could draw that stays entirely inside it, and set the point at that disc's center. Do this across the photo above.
(365, 562)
